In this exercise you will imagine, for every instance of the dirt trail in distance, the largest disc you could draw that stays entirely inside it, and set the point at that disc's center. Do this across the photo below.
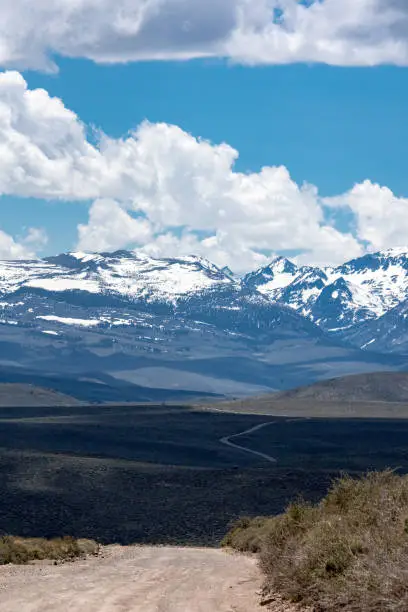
(227, 441)
(136, 579)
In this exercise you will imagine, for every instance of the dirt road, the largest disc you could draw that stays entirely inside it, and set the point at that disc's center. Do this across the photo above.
(227, 441)
(136, 579)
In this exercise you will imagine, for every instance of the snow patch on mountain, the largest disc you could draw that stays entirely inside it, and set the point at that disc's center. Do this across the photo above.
(70, 321)
(14, 274)
(65, 283)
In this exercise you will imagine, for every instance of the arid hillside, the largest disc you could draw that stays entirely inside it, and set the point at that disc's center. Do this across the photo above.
(372, 387)
(30, 395)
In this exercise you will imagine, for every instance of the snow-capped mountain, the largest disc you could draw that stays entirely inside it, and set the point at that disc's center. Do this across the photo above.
(118, 285)
(387, 334)
(177, 324)
(191, 287)
(122, 275)
(338, 298)
(272, 279)
(185, 325)
(334, 299)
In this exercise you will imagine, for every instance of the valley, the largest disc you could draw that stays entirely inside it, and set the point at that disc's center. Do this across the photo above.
(159, 474)
(203, 306)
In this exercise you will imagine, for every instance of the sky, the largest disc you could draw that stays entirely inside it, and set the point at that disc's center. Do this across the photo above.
(232, 130)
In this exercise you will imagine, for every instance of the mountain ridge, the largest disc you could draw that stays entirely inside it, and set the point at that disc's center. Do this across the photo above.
(359, 291)
(184, 324)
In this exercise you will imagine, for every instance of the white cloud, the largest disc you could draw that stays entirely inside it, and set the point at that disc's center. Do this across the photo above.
(111, 228)
(178, 181)
(107, 31)
(24, 247)
(335, 247)
(36, 238)
(381, 217)
(162, 173)
(10, 249)
(338, 32)
(172, 193)
(343, 32)
(43, 149)
(219, 248)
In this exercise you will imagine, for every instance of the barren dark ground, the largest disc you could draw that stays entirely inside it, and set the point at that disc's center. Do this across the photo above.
(156, 474)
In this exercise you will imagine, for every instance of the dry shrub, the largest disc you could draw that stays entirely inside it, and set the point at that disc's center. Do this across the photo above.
(24, 550)
(349, 553)
(247, 534)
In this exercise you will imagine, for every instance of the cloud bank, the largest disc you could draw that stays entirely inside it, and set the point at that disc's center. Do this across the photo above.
(165, 191)
(339, 32)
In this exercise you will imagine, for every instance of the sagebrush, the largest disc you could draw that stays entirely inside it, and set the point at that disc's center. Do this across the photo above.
(24, 550)
(349, 552)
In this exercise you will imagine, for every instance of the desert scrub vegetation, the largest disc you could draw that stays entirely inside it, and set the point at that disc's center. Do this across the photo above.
(19, 551)
(348, 553)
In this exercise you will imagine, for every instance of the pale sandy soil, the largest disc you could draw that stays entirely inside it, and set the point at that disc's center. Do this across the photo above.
(130, 579)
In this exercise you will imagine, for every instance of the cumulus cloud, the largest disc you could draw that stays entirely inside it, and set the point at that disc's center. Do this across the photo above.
(36, 238)
(342, 32)
(24, 247)
(169, 178)
(221, 248)
(110, 228)
(381, 217)
(10, 249)
(168, 192)
(337, 32)
(43, 149)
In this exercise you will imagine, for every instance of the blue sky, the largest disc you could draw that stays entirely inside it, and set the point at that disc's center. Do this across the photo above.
(331, 126)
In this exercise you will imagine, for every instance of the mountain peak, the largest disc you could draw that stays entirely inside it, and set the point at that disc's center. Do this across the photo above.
(272, 278)
(281, 264)
(389, 261)
(84, 256)
(201, 261)
(359, 290)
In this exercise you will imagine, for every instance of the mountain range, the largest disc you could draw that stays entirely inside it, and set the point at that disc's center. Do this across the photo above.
(124, 326)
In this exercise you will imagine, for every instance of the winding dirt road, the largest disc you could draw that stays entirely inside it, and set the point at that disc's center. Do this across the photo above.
(136, 579)
(227, 441)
